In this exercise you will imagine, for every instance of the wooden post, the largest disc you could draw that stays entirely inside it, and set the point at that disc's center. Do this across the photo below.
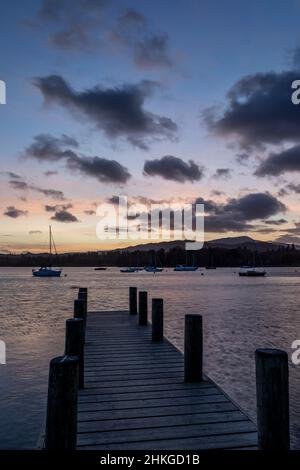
(143, 308)
(79, 310)
(272, 394)
(193, 348)
(157, 320)
(132, 300)
(83, 296)
(61, 424)
(74, 345)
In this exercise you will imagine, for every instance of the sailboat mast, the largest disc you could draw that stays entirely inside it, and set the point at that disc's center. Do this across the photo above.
(50, 240)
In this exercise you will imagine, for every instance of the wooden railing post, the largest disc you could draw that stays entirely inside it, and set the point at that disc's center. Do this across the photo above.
(157, 320)
(132, 300)
(61, 424)
(80, 310)
(74, 345)
(143, 308)
(272, 393)
(193, 348)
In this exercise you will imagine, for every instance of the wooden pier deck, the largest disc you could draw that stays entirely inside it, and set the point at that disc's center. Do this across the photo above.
(135, 396)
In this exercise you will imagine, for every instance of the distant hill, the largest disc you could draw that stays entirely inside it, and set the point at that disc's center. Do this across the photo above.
(227, 242)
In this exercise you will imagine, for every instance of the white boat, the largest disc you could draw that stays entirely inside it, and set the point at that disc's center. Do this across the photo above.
(48, 271)
(251, 272)
(182, 267)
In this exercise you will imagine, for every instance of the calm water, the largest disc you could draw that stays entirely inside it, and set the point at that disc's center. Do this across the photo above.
(240, 314)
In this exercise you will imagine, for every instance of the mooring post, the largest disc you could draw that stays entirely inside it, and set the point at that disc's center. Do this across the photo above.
(80, 311)
(74, 345)
(143, 308)
(193, 348)
(132, 300)
(157, 320)
(272, 394)
(61, 424)
(82, 295)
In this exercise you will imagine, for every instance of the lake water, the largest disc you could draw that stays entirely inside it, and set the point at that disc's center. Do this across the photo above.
(239, 315)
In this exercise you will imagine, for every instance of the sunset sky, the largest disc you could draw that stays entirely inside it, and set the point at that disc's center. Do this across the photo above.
(164, 100)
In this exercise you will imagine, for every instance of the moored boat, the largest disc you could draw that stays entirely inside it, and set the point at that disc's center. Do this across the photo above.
(252, 272)
(47, 270)
(181, 268)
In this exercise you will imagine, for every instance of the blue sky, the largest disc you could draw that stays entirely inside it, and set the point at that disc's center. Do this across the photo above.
(204, 48)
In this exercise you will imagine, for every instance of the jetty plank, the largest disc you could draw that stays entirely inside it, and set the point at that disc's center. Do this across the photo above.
(135, 396)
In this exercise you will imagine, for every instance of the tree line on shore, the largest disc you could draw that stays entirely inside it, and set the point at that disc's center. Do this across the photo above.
(208, 256)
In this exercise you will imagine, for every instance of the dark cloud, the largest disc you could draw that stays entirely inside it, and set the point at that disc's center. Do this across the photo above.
(50, 173)
(276, 222)
(45, 147)
(64, 216)
(35, 232)
(75, 25)
(90, 212)
(242, 158)
(153, 52)
(118, 112)
(14, 213)
(48, 148)
(222, 173)
(106, 171)
(173, 168)
(58, 207)
(23, 186)
(259, 111)
(237, 215)
(278, 163)
(10, 174)
(294, 187)
(132, 17)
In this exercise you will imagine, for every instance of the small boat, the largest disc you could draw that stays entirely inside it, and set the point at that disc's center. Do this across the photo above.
(100, 268)
(252, 272)
(153, 269)
(48, 271)
(128, 270)
(181, 267)
(210, 267)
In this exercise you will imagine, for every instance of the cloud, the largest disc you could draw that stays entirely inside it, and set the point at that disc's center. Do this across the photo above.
(242, 158)
(153, 52)
(276, 222)
(64, 216)
(50, 173)
(173, 168)
(118, 112)
(238, 215)
(58, 207)
(90, 212)
(10, 174)
(73, 24)
(14, 213)
(259, 111)
(106, 171)
(222, 173)
(35, 232)
(48, 148)
(278, 163)
(23, 186)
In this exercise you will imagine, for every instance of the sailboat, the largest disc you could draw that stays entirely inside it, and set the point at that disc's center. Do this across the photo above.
(186, 266)
(47, 271)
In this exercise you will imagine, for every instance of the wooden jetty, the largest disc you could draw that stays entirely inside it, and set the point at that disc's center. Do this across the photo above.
(141, 393)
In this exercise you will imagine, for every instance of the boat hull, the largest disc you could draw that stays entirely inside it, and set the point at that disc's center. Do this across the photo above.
(185, 268)
(252, 274)
(46, 273)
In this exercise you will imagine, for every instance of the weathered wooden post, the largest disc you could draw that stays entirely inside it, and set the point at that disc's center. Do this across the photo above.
(74, 345)
(143, 308)
(80, 310)
(193, 348)
(132, 300)
(61, 424)
(157, 320)
(272, 394)
(82, 295)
